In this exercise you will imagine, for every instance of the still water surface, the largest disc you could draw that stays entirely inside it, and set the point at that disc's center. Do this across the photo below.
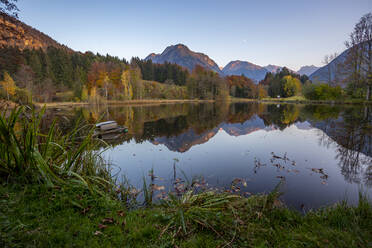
(322, 152)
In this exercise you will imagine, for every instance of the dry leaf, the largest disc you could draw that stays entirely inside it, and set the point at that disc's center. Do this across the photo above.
(86, 210)
(121, 213)
(101, 226)
(108, 220)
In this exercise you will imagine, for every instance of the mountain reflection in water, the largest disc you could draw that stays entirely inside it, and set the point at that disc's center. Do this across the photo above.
(329, 148)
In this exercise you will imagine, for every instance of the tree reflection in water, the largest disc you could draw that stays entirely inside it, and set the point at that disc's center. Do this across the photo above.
(181, 126)
(352, 132)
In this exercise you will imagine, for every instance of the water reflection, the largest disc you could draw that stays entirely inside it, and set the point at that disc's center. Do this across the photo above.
(352, 131)
(220, 141)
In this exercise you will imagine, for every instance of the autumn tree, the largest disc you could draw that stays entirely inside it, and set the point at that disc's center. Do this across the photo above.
(8, 85)
(114, 73)
(291, 86)
(241, 86)
(206, 84)
(97, 77)
(261, 91)
(136, 82)
(127, 86)
(103, 81)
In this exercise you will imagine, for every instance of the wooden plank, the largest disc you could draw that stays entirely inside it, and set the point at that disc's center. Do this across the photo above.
(108, 126)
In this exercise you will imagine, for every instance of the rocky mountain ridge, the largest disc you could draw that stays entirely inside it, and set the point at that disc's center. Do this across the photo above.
(183, 56)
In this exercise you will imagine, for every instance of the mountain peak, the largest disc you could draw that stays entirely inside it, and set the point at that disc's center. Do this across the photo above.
(250, 70)
(180, 54)
(307, 70)
(273, 68)
(181, 46)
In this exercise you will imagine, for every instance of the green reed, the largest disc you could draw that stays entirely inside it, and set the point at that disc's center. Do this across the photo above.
(29, 155)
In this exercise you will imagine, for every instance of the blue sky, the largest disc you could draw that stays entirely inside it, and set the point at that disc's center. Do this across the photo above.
(288, 33)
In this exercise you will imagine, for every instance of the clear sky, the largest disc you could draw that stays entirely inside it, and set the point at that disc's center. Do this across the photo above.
(289, 33)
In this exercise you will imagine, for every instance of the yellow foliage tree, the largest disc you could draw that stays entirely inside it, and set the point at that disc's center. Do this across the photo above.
(8, 85)
(292, 86)
(127, 86)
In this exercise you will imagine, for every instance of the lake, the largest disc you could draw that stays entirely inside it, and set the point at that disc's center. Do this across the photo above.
(321, 153)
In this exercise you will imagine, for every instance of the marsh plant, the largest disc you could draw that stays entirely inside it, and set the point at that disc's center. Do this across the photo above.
(30, 155)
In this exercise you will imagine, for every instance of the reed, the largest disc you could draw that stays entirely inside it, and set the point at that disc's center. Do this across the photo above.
(29, 155)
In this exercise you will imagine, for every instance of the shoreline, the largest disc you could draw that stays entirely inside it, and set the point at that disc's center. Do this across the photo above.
(303, 101)
(179, 101)
(126, 102)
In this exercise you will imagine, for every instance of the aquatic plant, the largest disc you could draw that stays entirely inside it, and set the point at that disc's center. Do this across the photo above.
(29, 155)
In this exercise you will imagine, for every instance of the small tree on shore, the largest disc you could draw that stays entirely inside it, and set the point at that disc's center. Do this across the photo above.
(127, 86)
(8, 85)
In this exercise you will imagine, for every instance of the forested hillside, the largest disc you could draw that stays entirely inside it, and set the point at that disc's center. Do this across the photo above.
(35, 67)
(14, 33)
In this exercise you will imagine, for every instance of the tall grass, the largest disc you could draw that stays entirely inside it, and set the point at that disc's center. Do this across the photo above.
(29, 155)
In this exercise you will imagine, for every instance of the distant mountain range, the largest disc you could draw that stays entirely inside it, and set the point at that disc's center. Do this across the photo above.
(14, 33)
(182, 55)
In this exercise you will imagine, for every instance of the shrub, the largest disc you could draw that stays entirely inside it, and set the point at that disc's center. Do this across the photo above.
(323, 92)
(308, 91)
(22, 96)
(355, 91)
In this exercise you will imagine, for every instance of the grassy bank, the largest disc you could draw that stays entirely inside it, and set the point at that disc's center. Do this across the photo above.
(56, 191)
(38, 216)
